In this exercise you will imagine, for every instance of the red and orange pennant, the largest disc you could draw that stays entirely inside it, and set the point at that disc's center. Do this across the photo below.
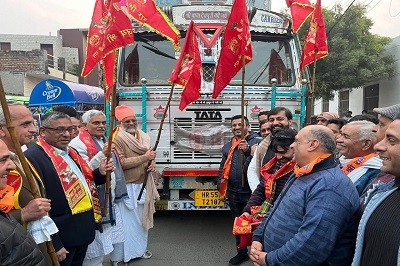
(148, 14)
(187, 71)
(300, 11)
(236, 44)
(109, 72)
(110, 29)
(316, 44)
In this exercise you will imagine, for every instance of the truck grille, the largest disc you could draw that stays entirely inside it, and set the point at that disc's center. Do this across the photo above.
(199, 139)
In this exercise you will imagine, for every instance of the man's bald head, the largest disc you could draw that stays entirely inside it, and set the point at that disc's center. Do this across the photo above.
(311, 142)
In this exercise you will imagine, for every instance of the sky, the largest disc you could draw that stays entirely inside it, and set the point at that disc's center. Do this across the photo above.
(45, 17)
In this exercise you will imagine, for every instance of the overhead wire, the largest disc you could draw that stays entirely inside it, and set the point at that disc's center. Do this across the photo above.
(334, 25)
(373, 6)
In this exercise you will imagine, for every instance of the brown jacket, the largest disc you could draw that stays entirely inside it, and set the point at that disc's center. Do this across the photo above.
(24, 197)
(134, 164)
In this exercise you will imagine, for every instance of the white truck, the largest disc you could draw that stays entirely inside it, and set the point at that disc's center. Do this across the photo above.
(189, 151)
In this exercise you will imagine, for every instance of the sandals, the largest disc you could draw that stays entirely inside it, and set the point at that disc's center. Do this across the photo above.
(147, 255)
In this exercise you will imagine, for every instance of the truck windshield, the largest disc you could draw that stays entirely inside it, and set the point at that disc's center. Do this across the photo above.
(155, 59)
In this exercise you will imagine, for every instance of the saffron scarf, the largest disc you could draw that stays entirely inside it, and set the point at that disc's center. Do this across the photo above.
(300, 171)
(269, 179)
(75, 192)
(87, 139)
(9, 195)
(227, 168)
(355, 163)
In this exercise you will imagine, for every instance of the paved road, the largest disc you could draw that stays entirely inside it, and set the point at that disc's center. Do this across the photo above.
(190, 238)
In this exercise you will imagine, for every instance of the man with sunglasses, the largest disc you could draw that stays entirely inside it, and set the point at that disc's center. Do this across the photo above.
(279, 117)
(70, 184)
(274, 174)
(91, 145)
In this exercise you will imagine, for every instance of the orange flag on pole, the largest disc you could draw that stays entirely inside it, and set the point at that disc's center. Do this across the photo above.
(316, 44)
(187, 71)
(300, 11)
(109, 72)
(147, 13)
(110, 29)
(236, 43)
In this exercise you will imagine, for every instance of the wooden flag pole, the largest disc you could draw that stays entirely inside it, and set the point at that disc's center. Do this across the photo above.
(242, 113)
(158, 136)
(110, 137)
(34, 189)
(108, 153)
(313, 84)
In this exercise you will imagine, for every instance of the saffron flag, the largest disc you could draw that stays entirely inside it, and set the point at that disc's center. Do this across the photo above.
(187, 71)
(110, 29)
(109, 73)
(236, 44)
(316, 44)
(148, 14)
(300, 11)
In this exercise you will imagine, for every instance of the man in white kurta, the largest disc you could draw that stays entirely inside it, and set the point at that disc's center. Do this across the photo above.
(90, 144)
(136, 156)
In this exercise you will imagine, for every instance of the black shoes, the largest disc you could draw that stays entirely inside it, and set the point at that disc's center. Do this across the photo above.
(239, 259)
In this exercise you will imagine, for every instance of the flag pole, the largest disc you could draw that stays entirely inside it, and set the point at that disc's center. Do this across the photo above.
(242, 112)
(34, 189)
(110, 137)
(313, 84)
(158, 136)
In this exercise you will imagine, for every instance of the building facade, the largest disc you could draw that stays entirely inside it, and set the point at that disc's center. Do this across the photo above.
(25, 60)
(378, 93)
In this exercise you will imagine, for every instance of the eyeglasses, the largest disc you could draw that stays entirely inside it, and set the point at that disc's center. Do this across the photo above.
(62, 130)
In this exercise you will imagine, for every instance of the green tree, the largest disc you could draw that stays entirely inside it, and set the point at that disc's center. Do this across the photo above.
(355, 54)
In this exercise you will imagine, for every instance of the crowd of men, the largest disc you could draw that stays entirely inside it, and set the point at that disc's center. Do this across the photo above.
(326, 195)
(64, 216)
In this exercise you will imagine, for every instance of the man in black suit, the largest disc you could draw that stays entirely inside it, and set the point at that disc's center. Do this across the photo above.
(70, 184)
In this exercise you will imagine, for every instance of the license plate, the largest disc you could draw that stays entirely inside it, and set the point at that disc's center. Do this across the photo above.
(207, 198)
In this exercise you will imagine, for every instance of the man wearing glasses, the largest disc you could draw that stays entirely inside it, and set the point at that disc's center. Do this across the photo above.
(91, 145)
(70, 184)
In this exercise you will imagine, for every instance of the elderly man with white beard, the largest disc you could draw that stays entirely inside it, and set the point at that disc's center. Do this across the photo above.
(133, 146)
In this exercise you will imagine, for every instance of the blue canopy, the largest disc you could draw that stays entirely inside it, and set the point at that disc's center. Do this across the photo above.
(52, 92)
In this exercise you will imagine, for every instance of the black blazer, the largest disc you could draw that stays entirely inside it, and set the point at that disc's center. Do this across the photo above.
(74, 230)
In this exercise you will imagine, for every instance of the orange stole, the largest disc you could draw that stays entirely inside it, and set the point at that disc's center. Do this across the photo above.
(77, 197)
(14, 179)
(227, 168)
(87, 139)
(7, 199)
(269, 179)
(356, 162)
(299, 171)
